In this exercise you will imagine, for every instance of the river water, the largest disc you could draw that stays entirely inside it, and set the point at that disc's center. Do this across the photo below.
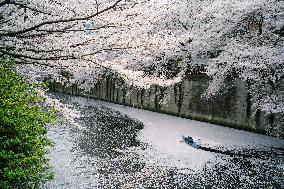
(112, 146)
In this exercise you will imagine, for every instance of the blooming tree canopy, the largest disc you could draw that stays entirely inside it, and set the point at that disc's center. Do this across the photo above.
(85, 37)
(139, 40)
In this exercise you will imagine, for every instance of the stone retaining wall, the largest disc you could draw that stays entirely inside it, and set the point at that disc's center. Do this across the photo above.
(231, 109)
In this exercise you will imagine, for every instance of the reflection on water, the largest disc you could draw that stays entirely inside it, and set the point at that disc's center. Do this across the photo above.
(103, 154)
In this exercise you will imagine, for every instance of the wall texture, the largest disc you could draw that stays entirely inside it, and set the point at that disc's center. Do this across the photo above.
(231, 109)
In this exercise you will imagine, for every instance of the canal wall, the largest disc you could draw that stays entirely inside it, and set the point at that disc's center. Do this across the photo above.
(232, 108)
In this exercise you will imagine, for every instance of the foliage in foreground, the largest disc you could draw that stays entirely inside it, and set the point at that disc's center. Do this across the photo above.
(23, 139)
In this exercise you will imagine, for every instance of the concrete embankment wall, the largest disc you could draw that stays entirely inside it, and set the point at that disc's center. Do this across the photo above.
(231, 109)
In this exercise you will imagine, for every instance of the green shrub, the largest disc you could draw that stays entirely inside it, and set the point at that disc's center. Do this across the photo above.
(23, 140)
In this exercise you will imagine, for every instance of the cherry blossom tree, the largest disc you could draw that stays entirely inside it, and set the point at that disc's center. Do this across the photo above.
(141, 40)
(83, 38)
(250, 48)
(49, 34)
(77, 41)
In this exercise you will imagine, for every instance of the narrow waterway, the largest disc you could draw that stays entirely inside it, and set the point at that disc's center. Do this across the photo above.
(113, 146)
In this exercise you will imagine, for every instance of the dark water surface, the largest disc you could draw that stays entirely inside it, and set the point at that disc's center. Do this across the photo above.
(99, 154)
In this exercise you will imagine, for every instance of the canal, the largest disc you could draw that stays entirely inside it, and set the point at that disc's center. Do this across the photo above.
(113, 146)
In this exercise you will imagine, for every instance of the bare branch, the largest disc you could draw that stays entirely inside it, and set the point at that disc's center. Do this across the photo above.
(12, 34)
(106, 49)
(5, 2)
(24, 61)
(75, 30)
(97, 5)
(10, 48)
(17, 55)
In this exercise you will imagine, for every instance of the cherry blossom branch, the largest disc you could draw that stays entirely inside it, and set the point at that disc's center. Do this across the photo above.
(17, 55)
(12, 34)
(5, 2)
(76, 30)
(28, 7)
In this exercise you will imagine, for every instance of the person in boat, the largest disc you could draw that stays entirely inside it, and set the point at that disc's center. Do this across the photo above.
(189, 140)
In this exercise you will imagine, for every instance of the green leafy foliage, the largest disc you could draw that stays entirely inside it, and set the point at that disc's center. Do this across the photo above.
(23, 140)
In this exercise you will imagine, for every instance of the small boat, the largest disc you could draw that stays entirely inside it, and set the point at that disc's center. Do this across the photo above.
(189, 140)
